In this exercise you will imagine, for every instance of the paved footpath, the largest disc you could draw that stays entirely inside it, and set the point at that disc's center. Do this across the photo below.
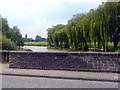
(58, 74)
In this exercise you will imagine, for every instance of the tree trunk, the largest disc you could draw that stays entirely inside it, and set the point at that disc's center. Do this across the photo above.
(115, 41)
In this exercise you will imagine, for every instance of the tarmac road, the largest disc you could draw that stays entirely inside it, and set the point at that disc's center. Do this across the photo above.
(29, 78)
(35, 82)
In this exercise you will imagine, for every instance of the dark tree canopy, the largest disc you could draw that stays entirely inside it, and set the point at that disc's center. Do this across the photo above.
(39, 39)
(13, 34)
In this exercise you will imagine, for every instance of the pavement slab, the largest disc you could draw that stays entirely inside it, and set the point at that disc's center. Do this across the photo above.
(98, 76)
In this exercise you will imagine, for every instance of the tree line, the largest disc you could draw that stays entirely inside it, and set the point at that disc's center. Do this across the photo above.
(37, 39)
(97, 27)
(10, 36)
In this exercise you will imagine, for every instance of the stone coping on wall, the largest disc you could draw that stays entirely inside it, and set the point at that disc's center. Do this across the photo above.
(86, 52)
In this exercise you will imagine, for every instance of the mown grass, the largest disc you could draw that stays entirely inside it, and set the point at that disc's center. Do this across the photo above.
(110, 47)
(36, 43)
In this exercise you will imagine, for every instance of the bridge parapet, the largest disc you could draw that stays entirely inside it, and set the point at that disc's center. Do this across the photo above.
(4, 56)
(82, 61)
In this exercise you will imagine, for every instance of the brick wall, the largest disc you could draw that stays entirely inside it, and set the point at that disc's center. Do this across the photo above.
(84, 61)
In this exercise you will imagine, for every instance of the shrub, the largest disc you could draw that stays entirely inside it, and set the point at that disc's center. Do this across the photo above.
(7, 44)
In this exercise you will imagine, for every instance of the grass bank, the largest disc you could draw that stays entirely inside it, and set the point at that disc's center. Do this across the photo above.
(35, 43)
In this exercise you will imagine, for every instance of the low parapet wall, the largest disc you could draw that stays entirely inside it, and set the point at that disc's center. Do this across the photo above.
(83, 61)
(4, 56)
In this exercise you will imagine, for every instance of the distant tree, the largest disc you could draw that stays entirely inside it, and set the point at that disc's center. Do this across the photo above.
(39, 39)
(26, 39)
(30, 40)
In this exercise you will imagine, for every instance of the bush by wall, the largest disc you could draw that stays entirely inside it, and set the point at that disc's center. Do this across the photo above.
(7, 44)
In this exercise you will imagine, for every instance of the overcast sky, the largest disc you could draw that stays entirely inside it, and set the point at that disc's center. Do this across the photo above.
(34, 17)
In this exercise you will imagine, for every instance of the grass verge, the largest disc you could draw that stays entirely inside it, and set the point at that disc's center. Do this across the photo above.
(36, 43)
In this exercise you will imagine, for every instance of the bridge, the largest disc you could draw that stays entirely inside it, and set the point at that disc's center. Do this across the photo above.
(82, 61)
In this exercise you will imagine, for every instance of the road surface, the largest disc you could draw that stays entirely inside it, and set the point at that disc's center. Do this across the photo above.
(36, 82)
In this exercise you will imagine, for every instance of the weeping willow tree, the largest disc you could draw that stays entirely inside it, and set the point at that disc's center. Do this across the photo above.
(95, 28)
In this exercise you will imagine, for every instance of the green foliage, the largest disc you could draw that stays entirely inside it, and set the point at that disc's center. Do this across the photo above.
(95, 28)
(39, 39)
(12, 35)
(36, 43)
(57, 36)
(7, 44)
